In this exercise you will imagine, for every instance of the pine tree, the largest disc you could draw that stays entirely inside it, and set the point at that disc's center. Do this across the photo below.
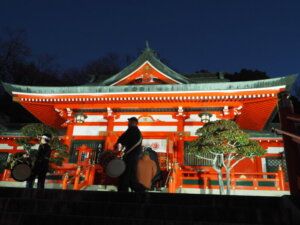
(30, 134)
(228, 145)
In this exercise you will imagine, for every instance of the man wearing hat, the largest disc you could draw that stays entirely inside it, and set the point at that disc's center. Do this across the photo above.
(41, 164)
(131, 139)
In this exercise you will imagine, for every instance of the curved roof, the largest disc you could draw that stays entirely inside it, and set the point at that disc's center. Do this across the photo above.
(147, 55)
(287, 81)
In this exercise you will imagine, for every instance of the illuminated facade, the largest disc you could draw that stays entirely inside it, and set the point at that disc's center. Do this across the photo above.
(168, 106)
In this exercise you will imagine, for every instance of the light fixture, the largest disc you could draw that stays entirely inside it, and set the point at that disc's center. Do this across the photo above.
(80, 117)
(205, 117)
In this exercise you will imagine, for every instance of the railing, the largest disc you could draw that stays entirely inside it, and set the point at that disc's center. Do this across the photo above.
(241, 181)
(175, 179)
(88, 173)
(59, 172)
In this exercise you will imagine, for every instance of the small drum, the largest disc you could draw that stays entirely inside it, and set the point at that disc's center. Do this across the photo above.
(21, 171)
(114, 167)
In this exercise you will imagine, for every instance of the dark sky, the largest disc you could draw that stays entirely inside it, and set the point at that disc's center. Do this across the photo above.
(217, 35)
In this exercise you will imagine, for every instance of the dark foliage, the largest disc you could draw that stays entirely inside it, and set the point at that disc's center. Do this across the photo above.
(246, 74)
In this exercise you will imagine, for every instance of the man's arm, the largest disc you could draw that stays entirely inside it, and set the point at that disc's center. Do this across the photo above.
(123, 139)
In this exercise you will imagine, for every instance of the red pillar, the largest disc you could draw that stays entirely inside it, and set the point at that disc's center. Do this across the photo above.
(69, 135)
(111, 135)
(180, 142)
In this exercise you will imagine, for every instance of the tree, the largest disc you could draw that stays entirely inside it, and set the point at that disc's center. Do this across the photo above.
(31, 132)
(13, 50)
(246, 74)
(227, 144)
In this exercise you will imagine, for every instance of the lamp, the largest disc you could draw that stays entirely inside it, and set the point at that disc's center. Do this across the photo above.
(80, 117)
(205, 117)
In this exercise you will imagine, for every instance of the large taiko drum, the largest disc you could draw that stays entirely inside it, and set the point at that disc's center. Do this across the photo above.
(21, 171)
(114, 167)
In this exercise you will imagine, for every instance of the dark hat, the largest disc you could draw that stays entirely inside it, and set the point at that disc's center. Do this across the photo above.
(133, 119)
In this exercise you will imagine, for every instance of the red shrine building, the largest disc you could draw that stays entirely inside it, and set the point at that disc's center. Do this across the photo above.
(170, 108)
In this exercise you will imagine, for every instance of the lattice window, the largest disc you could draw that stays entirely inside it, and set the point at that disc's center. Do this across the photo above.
(192, 160)
(3, 158)
(272, 164)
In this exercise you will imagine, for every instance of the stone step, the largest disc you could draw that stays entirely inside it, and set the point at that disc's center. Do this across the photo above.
(50, 219)
(160, 198)
(177, 212)
(139, 207)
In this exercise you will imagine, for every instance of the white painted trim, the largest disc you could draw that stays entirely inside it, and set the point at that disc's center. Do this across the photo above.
(164, 118)
(88, 130)
(95, 118)
(233, 192)
(264, 167)
(6, 146)
(120, 128)
(140, 68)
(124, 118)
(191, 129)
(35, 147)
(275, 150)
(166, 92)
(193, 118)
(149, 128)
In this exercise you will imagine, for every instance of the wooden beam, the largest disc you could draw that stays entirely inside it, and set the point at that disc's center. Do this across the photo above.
(293, 117)
(294, 136)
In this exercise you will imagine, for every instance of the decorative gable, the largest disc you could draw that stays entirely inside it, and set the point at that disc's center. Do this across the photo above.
(146, 74)
(146, 69)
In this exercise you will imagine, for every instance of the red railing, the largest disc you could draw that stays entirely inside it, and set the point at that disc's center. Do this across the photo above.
(59, 171)
(242, 181)
(88, 174)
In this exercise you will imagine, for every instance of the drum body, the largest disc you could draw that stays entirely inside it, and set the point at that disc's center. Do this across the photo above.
(113, 166)
(21, 171)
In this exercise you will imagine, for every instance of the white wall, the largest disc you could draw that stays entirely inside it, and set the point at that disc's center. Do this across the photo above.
(88, 130)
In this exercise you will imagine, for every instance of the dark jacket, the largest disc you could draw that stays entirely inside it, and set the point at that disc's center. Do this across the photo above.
(42, 159)
(129, 138)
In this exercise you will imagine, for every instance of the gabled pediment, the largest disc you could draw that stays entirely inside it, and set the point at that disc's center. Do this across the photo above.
(146, 74)
(146, 69)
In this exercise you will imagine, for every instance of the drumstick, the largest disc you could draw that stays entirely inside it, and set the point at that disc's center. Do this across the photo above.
(123, 152)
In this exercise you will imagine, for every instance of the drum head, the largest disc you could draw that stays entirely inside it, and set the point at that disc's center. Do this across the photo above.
(115, 168)
(21, 172)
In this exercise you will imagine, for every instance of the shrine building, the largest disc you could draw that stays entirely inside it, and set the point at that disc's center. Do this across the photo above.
(170, 108)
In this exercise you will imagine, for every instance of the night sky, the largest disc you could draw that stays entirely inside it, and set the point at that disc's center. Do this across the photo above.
(217, 35)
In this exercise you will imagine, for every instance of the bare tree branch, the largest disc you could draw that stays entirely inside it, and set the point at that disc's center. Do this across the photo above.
(201, 157)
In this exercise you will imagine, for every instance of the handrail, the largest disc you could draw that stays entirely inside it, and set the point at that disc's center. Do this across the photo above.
(76, 177)
(279, 179)
(235, 173)
(168, 178)
(81, 173)
(293, 117)
(294, 136)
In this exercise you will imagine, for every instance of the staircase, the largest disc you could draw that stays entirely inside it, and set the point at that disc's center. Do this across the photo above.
(19, 206)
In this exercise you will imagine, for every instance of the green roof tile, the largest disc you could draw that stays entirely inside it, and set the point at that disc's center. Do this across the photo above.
(287, 80)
